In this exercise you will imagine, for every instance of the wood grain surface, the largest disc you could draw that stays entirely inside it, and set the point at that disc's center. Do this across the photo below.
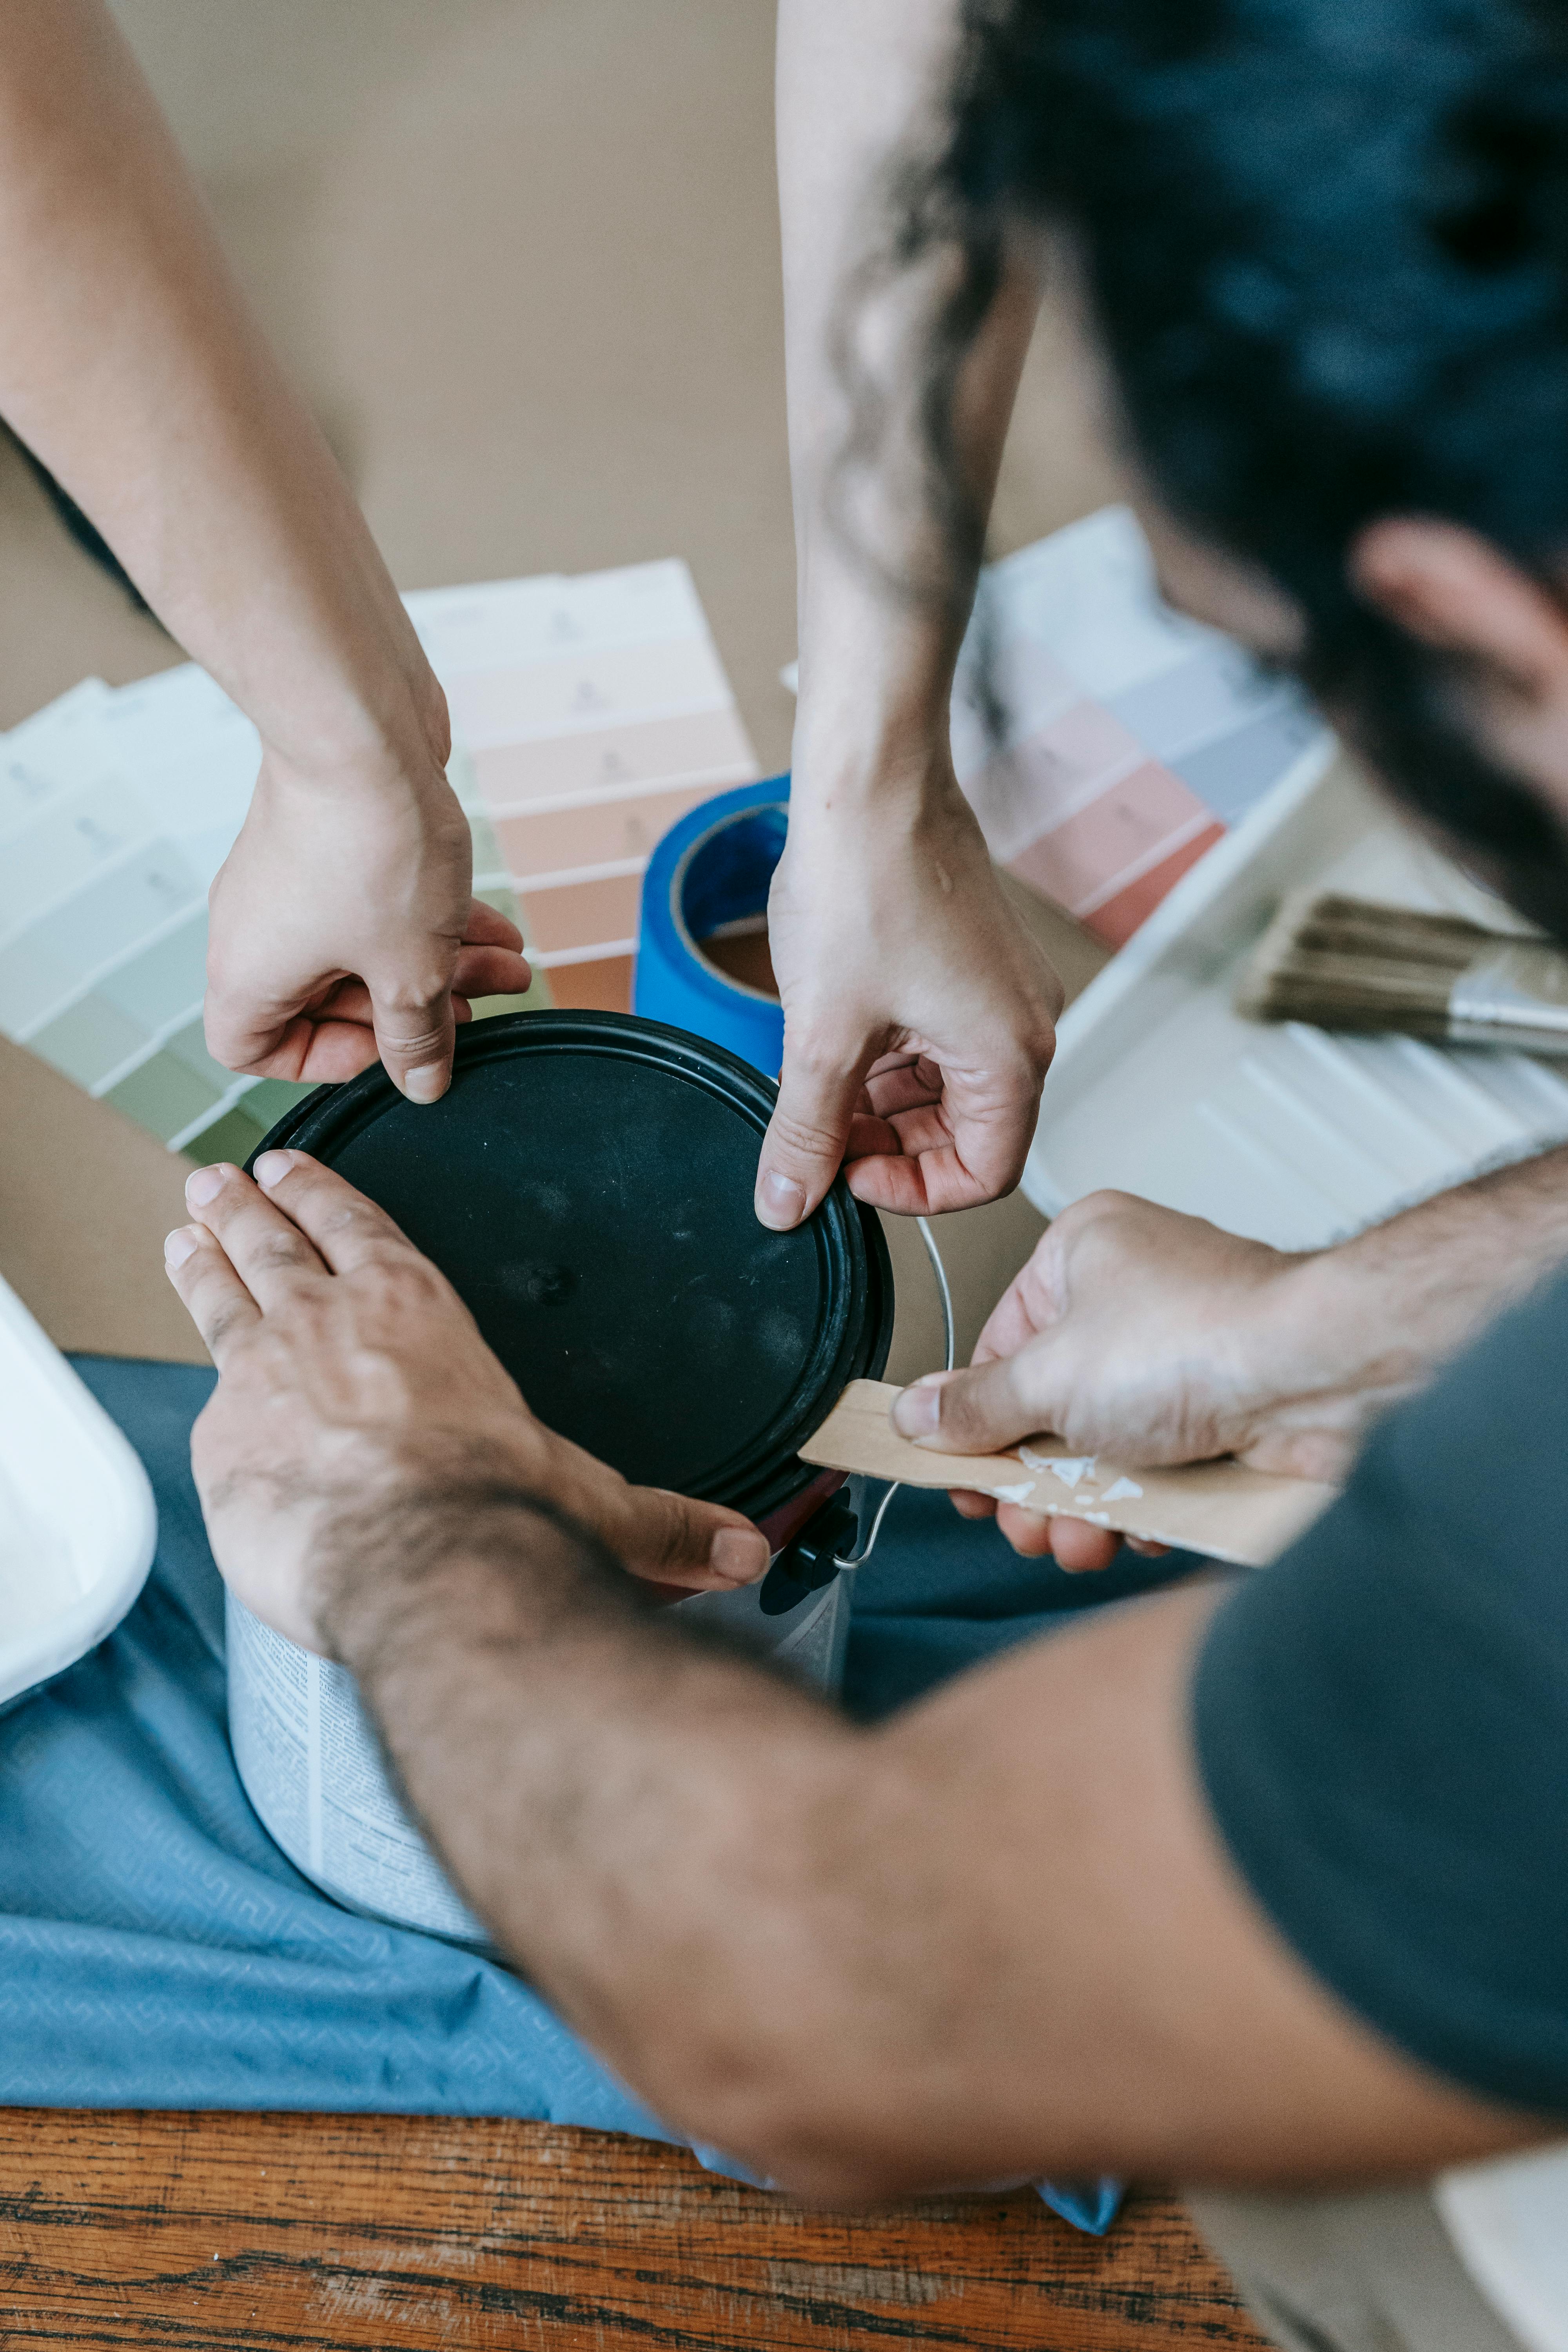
(198, 2232)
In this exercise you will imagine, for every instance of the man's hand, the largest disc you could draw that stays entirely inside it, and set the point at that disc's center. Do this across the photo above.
(1137, 1332)
(352, 1376)
(343, 928)
(1157, 1337)
(920, 1017)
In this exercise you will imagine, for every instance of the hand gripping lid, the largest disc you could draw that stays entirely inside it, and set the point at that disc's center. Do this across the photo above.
(586, 1187)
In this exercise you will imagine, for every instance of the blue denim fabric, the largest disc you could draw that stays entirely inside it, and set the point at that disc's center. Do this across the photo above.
(156, 1949)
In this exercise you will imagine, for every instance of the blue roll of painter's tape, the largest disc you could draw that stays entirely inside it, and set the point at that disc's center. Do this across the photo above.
(709, 879)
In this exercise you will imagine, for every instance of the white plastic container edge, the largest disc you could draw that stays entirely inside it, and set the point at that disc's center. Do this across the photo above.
(77, 1523)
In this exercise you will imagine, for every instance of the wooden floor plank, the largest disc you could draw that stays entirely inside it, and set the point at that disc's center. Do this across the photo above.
(315, 2233)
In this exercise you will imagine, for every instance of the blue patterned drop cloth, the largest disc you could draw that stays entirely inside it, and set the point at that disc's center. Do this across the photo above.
(156, 1949)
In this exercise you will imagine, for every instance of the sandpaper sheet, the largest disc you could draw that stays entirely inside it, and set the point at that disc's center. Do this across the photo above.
(1247, 1516)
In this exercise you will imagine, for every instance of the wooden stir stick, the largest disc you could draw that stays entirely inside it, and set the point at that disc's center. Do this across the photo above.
(1220, 1508)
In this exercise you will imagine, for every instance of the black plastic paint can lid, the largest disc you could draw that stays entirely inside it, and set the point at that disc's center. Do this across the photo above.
(586, 1186)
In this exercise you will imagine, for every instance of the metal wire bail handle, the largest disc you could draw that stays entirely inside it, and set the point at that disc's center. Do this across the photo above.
(949, 1345)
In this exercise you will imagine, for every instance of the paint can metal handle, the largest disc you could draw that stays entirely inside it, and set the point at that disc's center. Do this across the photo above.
(813, 1558)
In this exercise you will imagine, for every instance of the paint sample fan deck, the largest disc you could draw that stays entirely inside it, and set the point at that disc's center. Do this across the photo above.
(589, 712)
(595, 712)
(1133, 740)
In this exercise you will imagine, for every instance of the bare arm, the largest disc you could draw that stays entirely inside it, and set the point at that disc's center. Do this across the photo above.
(1134, 1330)
(996, 1937)
(896, 952)
(130, 364)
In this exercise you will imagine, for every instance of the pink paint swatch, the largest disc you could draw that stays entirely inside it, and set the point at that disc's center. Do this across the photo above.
(1136, 821)
(1105, 741)
(1042, 780)
(1118, 917)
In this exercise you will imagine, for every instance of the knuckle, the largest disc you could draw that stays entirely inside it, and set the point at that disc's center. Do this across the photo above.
(823, 1056)
(1092, 1209)
(278, 1252)
(811, 1138)
(672, 1544)
(225, 1319)
(392, 1275)
(412, 996)
(354, 1215)
(418, 1045)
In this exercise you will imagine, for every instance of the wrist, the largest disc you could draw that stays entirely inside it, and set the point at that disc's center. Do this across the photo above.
(483, 1562)
(1328, 1349)
(377, 782)
(390, 736)
(873, 718)
(897, 780)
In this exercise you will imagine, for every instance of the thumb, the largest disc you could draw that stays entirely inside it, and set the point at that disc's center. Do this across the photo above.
(803, 1146)
(416, 1029)
(977, 1411)
(670, 1540)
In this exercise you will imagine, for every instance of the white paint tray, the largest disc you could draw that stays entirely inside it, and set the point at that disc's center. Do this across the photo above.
(1280, 1132)
(78, 1525)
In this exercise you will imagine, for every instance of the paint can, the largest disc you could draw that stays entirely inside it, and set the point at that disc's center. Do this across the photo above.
(702, 962)
(586, 1186)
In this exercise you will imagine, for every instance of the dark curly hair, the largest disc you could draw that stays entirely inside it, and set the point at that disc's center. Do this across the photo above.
(1326, 245)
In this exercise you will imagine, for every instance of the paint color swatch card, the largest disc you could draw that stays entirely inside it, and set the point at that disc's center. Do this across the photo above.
(594, 711)
(1126, 740)
(116, 811)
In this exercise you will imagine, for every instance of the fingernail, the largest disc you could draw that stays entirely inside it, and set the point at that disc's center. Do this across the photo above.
(428, 1084)
(203, 1186)
(271, 1168)
(738, 1554)
(781, 1202)
(180, 1246)
(917, 1411)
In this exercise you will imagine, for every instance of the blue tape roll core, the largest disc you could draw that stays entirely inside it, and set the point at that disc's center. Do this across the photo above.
(711, 870)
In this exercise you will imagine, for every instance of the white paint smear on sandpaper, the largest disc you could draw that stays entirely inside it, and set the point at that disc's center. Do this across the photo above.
(1068, 1467)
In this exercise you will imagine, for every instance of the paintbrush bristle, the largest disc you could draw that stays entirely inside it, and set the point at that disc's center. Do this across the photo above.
(1348, 963)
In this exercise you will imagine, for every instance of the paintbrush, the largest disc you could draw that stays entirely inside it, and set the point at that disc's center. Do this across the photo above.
(1346, 963)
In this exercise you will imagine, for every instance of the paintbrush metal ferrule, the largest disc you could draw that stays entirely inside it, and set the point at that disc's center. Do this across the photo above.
(1524, 985)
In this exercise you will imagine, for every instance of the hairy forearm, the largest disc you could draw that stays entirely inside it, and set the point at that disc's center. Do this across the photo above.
(792, 1938)
(882, 595)
(1444, 1270)
(993, 1938)
(656, 1830)
(1382, 1314)
(131, 364)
